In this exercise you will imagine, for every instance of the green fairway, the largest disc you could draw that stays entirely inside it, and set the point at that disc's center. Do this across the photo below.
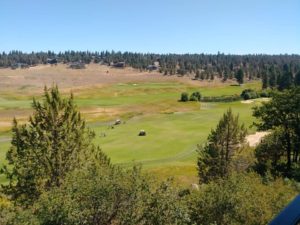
(173, 128)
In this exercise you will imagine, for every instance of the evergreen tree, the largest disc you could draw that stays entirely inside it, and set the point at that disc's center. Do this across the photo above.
(297, 79)
(265, 82)
(197, 76)
(240, 76)
(282, 112)
(215, 158)
(272, 79)
(52, 143)
(225, 77)
(286, 78)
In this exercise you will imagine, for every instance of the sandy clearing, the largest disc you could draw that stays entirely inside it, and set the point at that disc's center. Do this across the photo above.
(247, 101)
(254, 139)
(265, 99)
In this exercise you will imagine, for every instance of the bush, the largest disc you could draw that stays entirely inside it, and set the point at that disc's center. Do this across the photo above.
(264, 94)
(184, 97)
(195, 96)
(240, 199)
(224, 98)
(249, 94)
(109, 195)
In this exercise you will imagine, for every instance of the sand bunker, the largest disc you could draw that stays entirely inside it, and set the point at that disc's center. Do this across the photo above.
(247, 101)
(254, 139)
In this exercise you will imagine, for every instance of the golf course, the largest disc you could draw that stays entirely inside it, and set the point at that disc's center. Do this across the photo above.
(141, 101)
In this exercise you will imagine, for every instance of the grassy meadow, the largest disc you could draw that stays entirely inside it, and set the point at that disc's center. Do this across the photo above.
(174, 129)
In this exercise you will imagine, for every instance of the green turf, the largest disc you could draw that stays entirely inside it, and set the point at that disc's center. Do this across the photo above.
(173, 128)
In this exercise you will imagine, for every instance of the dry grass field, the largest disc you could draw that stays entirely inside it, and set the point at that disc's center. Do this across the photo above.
(34, 78)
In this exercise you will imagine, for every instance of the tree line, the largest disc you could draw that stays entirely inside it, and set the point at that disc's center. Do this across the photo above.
(57, 176)
(280, 71)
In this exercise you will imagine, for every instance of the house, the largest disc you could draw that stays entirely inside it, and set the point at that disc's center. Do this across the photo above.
(52, 61)
(77, 65)
(119, 65)
(152, 67)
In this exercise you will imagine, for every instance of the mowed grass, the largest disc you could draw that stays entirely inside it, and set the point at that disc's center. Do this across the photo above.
(174, 129)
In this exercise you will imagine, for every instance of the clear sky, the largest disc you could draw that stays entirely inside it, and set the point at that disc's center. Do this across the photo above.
(160, 26)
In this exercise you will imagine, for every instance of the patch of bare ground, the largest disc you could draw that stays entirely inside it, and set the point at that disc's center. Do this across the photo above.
(254, 139)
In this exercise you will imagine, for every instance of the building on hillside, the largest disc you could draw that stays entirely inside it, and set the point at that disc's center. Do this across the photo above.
(52, 61)
(152, 67)
(119, 65)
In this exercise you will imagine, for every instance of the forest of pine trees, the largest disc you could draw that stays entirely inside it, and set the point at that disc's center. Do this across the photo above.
(275, 71)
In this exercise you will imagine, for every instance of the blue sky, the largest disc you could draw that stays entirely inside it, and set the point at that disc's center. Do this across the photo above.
(160, 26)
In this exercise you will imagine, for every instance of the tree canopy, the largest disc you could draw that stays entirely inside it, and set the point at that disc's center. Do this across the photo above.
(282, 113)
(215, 158)
(46, 148)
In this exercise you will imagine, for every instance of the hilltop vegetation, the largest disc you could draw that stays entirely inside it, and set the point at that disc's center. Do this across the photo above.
(280, 71)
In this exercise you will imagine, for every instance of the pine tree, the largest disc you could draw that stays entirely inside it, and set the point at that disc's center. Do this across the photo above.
(265, 82)
(53, 142)
(272, 77)
(285, 81)
(225, 77)
(240, 76)
(297, 79)
(215, 158)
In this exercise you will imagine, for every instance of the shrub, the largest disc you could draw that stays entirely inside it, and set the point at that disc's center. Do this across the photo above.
(224, 98)
(109, 195)
(241, 199)
(195, 96)
(264, 94)
(249, 94)
(184, 97)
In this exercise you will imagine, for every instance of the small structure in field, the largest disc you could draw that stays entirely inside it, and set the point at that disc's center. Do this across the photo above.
(52, 61)
(142, 133)
(119, 65)
(117, 122)
(152, 67)
(77, 65)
